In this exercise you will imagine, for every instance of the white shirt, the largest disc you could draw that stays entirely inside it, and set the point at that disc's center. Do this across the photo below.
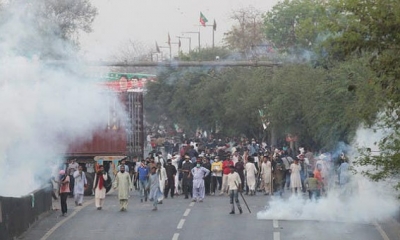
(233, 179)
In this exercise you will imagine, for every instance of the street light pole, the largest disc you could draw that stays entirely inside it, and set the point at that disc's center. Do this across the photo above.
(190, 41)
(198, 34)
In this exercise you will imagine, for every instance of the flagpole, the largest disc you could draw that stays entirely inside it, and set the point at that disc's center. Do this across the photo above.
(214, 27)
(199, 41)
(213, 37)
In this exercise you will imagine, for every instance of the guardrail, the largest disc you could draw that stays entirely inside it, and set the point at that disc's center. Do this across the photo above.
(18, 214)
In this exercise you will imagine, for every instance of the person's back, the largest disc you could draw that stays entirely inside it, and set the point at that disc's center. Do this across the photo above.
(311, 183)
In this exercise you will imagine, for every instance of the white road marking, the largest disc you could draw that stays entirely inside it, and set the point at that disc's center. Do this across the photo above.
(192, 204)
(380, 230)
(277, 235)
(176, 236)
(180, 224)
(53, 229)
(275, 223)
(186, 212)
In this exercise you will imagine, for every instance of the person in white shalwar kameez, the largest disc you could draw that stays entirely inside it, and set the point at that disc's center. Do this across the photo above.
(163, 179)
(266, 174)
(99, 187)
(295, 178)
(199, 173)
(175, 161)
(154, 185)
(124, 184)
(251, 172)
(79, 187)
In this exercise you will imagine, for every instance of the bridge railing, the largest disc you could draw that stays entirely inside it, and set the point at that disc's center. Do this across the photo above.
(18, 214)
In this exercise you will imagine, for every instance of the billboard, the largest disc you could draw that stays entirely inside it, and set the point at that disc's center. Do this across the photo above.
(122, 82)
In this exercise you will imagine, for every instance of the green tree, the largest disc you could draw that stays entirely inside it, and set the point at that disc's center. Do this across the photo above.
(69, 16)
(206, 54)
(47, 29)
(370, 28)
(298, 27)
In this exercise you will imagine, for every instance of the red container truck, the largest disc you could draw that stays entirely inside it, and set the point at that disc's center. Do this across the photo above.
(118, 139)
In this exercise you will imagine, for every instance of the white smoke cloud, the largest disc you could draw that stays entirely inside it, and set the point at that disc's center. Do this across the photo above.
(361, 201)
(42, 106)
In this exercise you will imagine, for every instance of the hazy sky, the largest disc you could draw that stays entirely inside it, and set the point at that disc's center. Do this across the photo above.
(151, 20)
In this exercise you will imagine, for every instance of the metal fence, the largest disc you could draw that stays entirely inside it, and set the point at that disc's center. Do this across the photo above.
(18, 214)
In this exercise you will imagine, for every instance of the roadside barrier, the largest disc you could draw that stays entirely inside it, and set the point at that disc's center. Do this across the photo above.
(18, 214)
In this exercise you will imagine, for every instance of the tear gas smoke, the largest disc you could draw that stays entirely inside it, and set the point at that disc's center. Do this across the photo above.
(43, 107)
(360, 201)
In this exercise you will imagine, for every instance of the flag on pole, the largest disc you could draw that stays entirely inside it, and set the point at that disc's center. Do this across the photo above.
(179, 43)
(215, 25)
(157, 48)
(203, 19)
(169, 40)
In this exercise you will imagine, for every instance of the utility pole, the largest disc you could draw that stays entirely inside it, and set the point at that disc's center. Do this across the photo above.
(198, 34)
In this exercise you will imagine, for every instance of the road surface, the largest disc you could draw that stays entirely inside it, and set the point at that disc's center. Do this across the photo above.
(182, 219)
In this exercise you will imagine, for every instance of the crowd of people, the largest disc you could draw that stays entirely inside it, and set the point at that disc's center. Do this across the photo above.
(198, 169)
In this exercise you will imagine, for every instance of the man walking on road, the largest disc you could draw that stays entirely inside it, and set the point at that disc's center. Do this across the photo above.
(64, 191)
(235, 185)
(80, 184)
(199, 173)
(170, 184)
(187, 179)
(226, 164)
(123, 182)
(142, 176)
(216, 179)
(154, 183)
(251, 173)
(99, 187)
(163, 180)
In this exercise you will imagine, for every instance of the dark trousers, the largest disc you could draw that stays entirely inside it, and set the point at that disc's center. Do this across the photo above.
(170, 186)
(214, 181)
(207, 184)
(187, 185)
(63, 197)
(71, 185)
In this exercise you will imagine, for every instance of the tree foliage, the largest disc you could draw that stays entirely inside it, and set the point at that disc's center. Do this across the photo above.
(297, 26)
(357, 43)
(70, 16)
(45, 28)
(207, 54)
(370, 28)
(313, 103)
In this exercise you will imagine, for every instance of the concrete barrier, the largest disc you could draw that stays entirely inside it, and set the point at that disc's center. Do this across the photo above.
(17, 214)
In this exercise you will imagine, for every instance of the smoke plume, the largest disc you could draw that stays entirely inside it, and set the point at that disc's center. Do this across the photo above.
(44, 106)
(360, 201)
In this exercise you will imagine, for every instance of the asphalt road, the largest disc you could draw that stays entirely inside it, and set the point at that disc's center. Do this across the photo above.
(180, 218)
